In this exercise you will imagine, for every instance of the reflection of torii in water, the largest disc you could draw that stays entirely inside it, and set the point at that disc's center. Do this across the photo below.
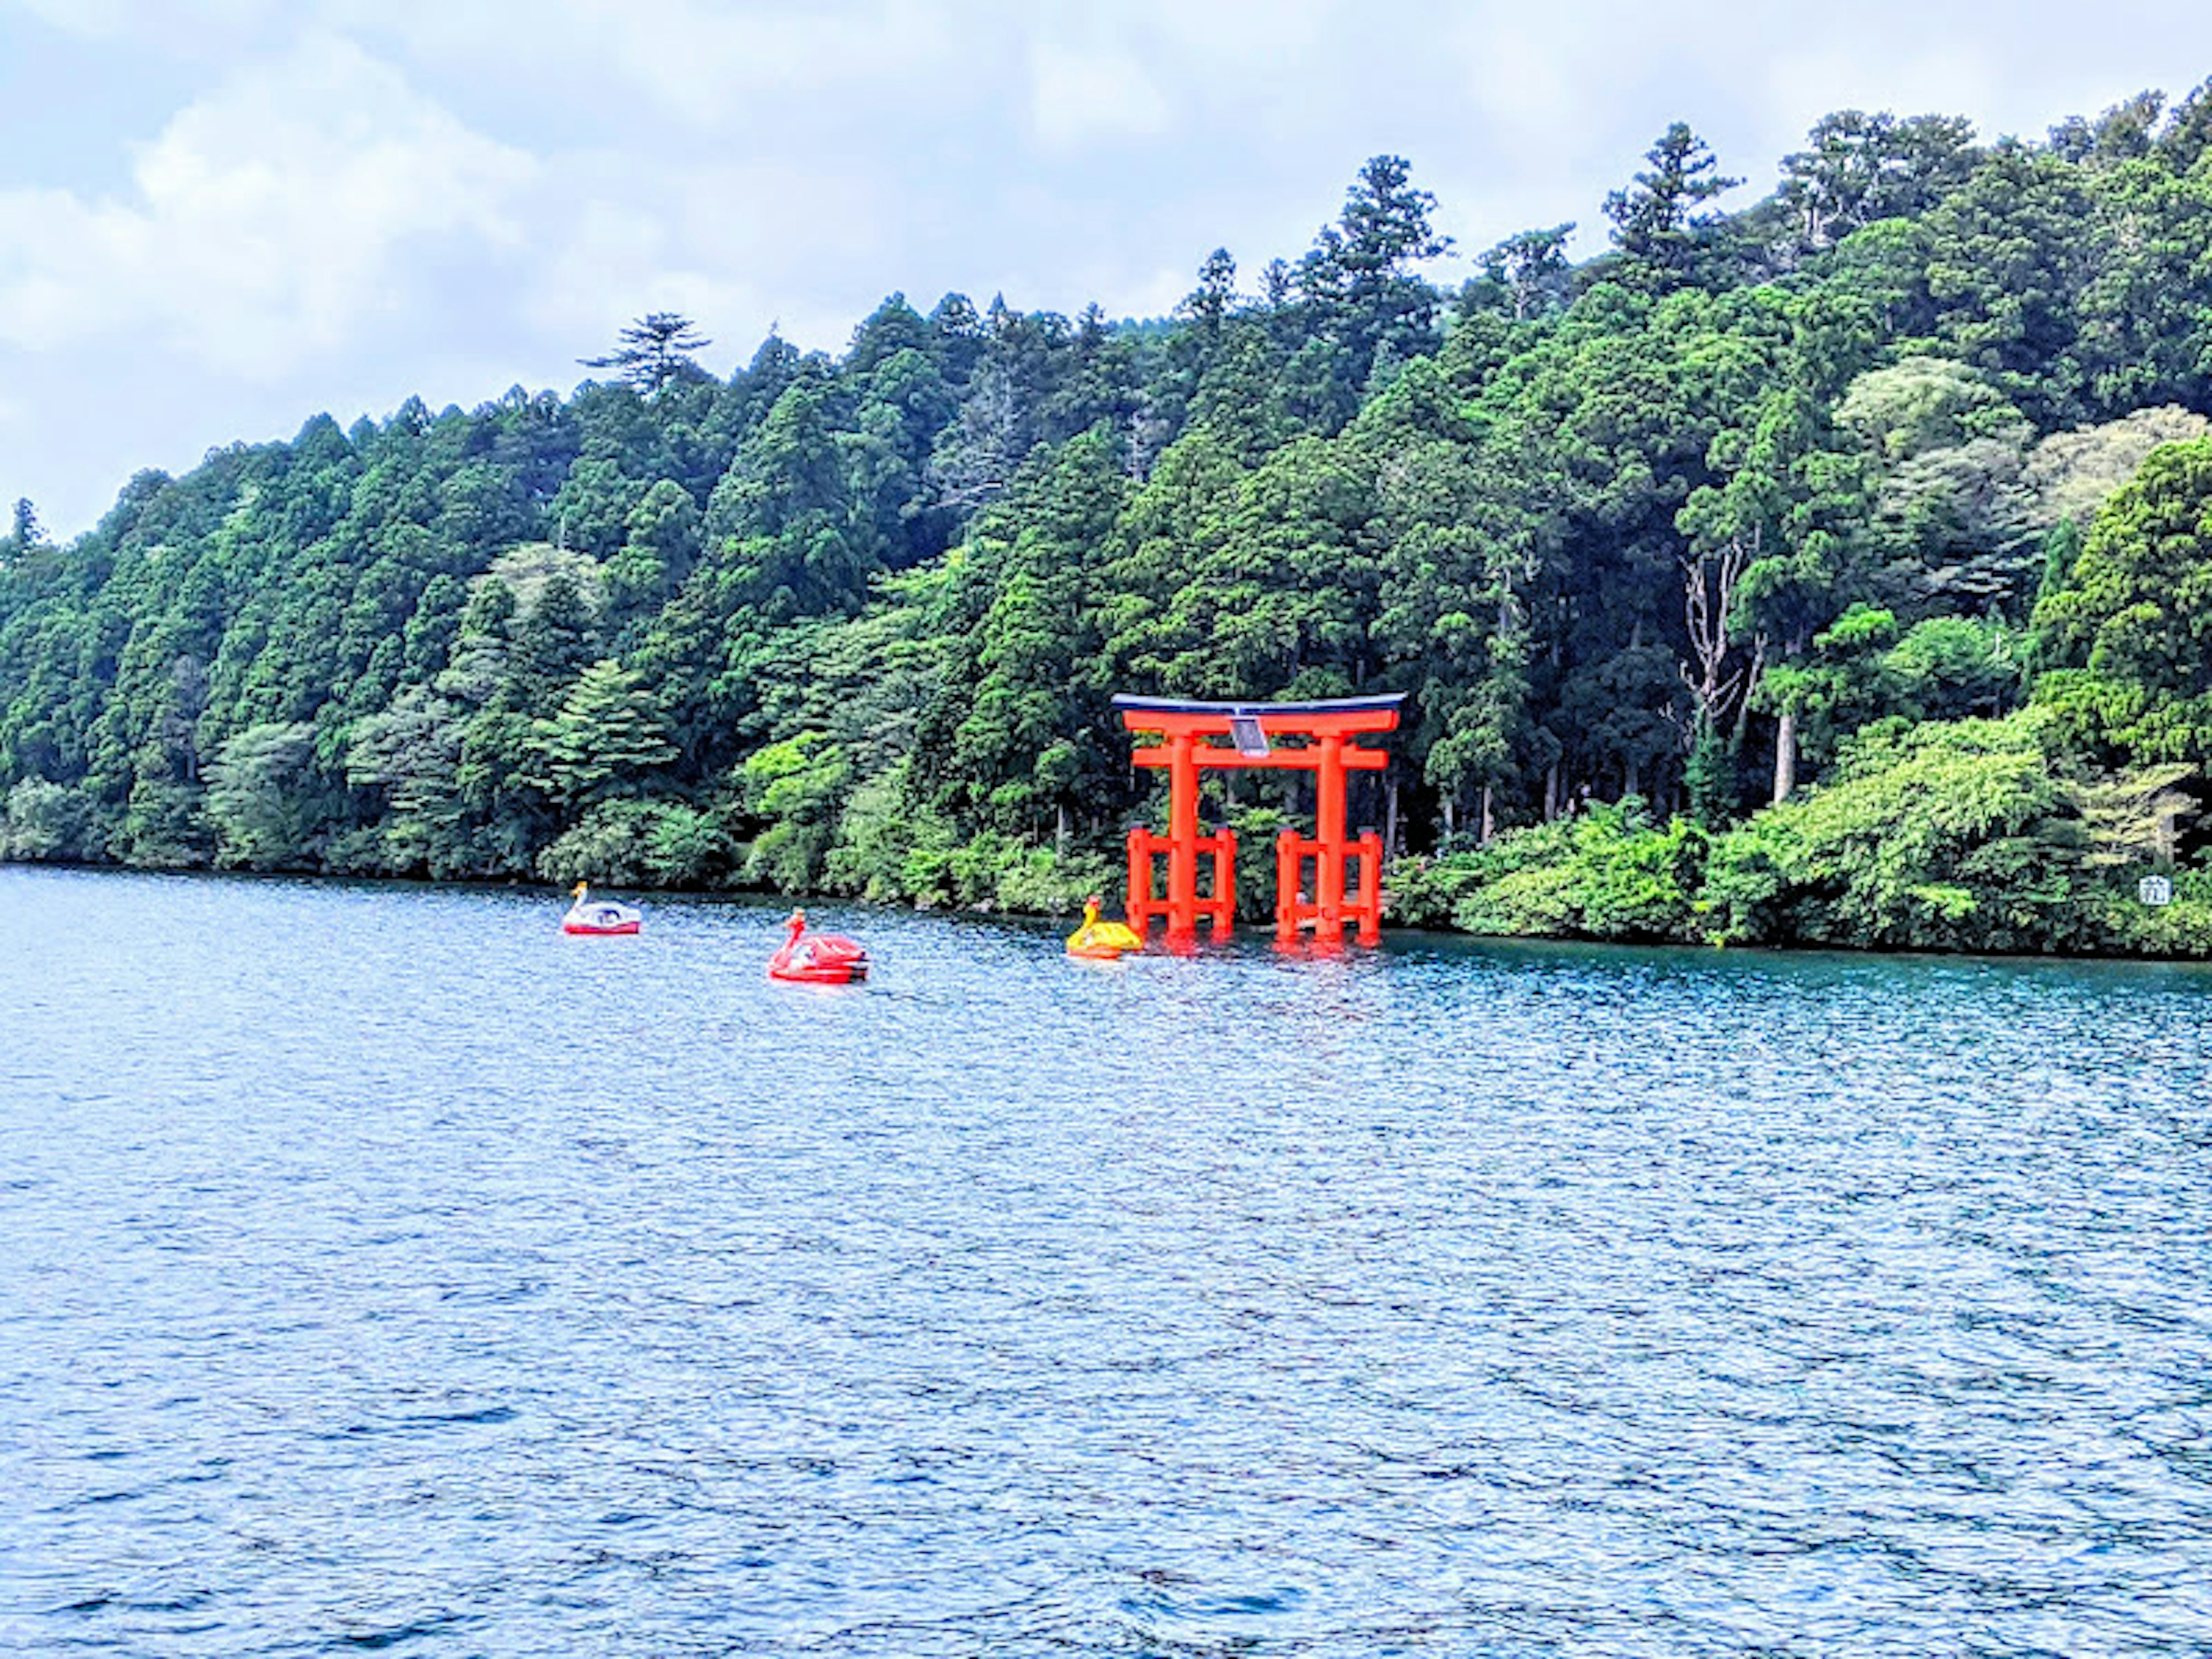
(1328, 752)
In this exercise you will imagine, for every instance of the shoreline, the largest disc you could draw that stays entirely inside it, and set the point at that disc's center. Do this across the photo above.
(1246, 931)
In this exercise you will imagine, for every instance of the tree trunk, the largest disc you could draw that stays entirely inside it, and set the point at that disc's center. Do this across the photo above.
(1390, 819)
(1785, 755)
(1552, 791)
(1489, 824)
(1631, 778)
(1451, 815)
(1059, 832)
(1751, 680)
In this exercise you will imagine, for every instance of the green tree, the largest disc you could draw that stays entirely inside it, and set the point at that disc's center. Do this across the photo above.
(1948, 452)
(780, 530)
(1530, 271)
(412, 753)
(44, 820)
(1664, 239)
(655, 350)
(261, 797)
(1022, 709)
(1778, 533)
(1858, 168)
(2006, 268)
(794, 788)
(2132, 625)
(660, 547)
(607, 738)
(2071, 474)
(1370, 305)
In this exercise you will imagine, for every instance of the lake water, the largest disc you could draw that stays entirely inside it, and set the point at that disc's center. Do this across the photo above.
(380, 1270)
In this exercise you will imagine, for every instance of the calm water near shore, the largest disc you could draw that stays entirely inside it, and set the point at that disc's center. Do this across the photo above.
(381, 1271)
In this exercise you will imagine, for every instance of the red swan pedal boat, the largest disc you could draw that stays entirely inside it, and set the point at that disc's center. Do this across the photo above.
(817, 958)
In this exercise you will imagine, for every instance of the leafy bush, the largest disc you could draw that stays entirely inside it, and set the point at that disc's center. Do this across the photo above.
(2132, 619)
(1042, 881)
(640, 843)
(162, 827)
(1608, 873)
(2183, 928)
(889, 847)
(1256, 828)
(44, 820)
(1420, 892)
(260, 796)
(1956, 837)
(796, 786)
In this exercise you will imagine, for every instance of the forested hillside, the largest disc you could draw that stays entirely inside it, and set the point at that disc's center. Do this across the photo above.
(1839, 569)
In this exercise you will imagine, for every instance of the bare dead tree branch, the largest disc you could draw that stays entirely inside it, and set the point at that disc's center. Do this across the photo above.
(1709, 585)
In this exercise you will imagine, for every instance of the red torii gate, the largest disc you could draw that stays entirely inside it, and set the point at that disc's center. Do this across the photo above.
(1250, 728)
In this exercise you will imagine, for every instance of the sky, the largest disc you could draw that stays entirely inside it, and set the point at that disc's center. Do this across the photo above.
(219, 217)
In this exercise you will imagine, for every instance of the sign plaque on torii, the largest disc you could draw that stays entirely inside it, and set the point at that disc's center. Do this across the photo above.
(1327, 747)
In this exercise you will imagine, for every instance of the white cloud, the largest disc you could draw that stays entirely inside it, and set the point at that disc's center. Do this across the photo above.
(704, 63)
(1930, 79)
(198, 29)
(617, 261)
(475, 191)
(1519, 75)
(1156, 293)
(99, 18)
(1245, 31)
(267, 221)
(779, 217)
(1080, 93)
(735, 246)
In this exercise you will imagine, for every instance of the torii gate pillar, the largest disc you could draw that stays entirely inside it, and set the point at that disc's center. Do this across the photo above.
(1181, 909)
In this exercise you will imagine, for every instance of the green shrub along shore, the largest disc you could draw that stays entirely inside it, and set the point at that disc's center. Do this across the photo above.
(1966, 836)
(1836, 571)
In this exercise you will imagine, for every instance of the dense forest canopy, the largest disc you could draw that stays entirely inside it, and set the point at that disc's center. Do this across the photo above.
(1840, 569)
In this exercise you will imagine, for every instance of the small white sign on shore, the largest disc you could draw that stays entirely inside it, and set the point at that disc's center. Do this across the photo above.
(2154, 890)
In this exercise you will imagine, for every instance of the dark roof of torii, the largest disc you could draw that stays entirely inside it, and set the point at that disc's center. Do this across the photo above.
(1293, 710)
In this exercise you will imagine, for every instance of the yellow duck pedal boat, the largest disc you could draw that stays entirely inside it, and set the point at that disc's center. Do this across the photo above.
(1102, 941)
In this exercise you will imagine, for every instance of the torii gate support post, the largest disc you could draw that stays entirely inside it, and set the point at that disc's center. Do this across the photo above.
(1361, 901)
(1182, 837)
(1183, 909)
(1328, 830)
(1140, 908)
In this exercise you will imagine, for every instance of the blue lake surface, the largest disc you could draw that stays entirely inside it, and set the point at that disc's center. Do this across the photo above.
(381, 1271)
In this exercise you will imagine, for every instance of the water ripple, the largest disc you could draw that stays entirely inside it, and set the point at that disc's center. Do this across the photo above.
(381, 1272)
